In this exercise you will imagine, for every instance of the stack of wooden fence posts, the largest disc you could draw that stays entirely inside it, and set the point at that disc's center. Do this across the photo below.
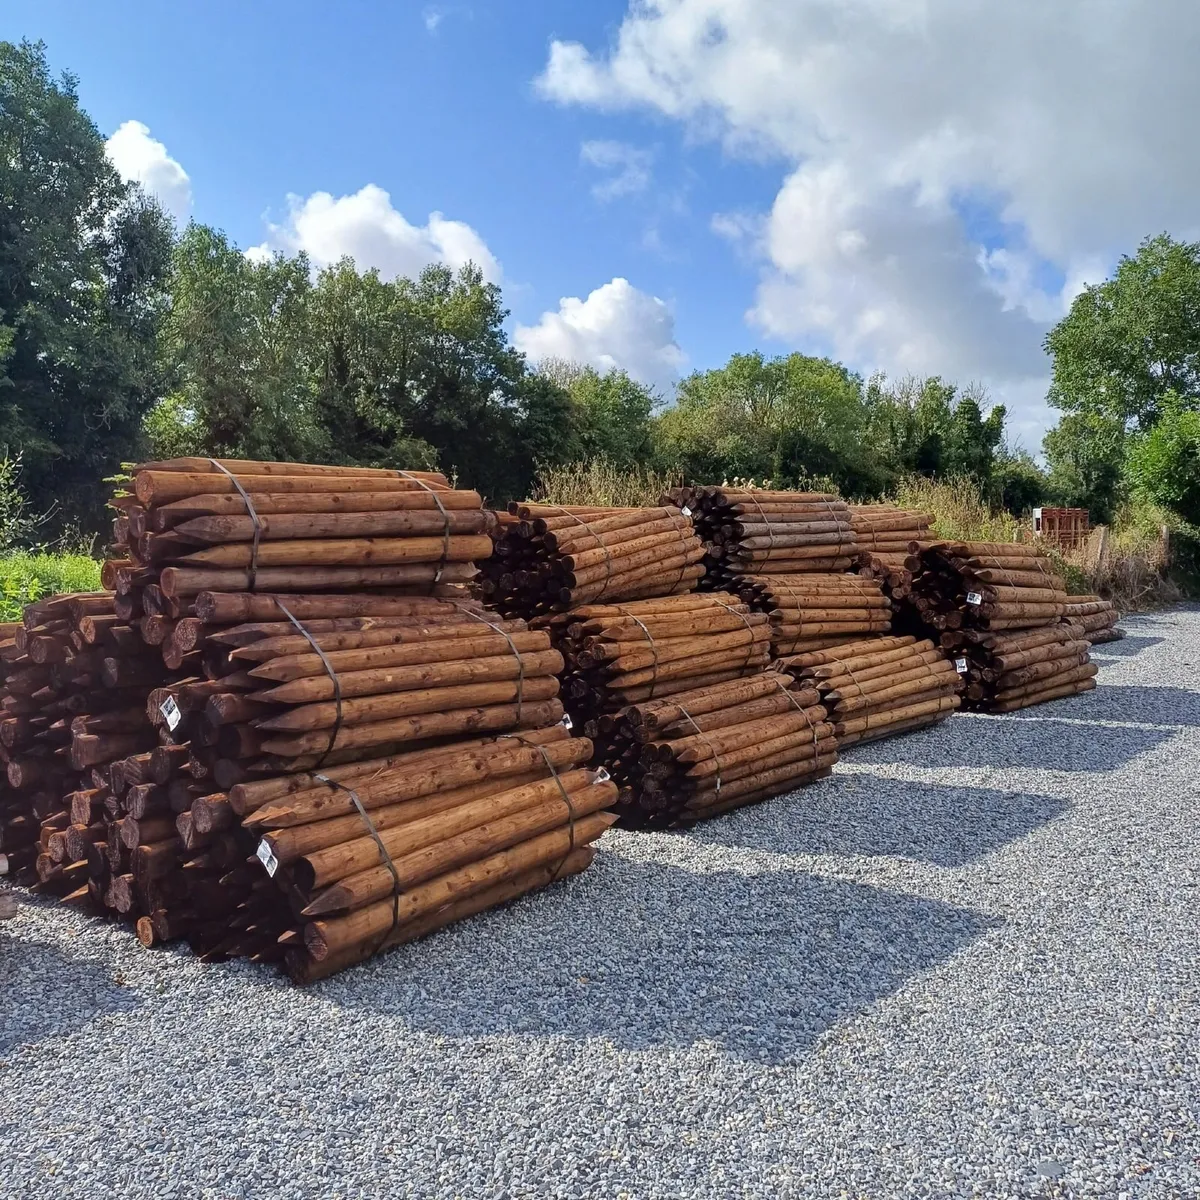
(998, 608)
(1097, 617)
(550, 558)
(623, 654)
(706, 751)
(305, 682)
(880, 687)
(748, 531)
(887, 537)
(811, 612)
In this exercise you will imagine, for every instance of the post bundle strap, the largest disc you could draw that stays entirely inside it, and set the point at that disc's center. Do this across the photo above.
(337, 683)
(437, 577)
(763, 515)
(653, 650)
(600, 542)
(252, 513)
(704, 738)
(515, 653)
(562, 791)
(749, 628)
(804, 713)
(861, 692)
(397, 889)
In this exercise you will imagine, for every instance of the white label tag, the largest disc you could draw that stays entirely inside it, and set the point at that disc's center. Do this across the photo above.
(687, 512)
(566, 722)
(266, 856)
(171, 713)
(602, 776)
(974, 598)
(960, 665)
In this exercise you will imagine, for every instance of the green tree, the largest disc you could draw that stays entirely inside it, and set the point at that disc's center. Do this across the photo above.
(84, 263)
(609, 413)
(1128, 342)
(237, 347)
(1164, 462)
(788, 418)
(1086, 453)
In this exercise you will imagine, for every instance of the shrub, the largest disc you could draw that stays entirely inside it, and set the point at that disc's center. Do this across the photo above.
(598, 482)
(959, 512)
(26, 577)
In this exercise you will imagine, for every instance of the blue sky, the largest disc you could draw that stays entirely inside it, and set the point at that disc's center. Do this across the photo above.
(911, 187)
(260, 100)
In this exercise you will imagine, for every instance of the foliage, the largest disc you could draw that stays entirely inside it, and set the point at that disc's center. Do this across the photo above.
(1086, 453)
(598, 481)
(17, 524)
(26, 577)
(1018, 484)
(1128, 342)
(1164, 463)
(958, 508)
(83, 270)
(609, 413)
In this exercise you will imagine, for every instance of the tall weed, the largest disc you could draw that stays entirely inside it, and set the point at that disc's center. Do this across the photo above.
(26, 577)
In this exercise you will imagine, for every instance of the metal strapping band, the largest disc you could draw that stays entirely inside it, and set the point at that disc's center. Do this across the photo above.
(437, 578)
(704, 738)
(653, 650)
(253, 515)
(562, 791)
(600, 542)
(749, 629)
(337, 684)
(804, 713)
(397, 890)
(863, 694)
(683, 545)
(515, 653)
(763, 515)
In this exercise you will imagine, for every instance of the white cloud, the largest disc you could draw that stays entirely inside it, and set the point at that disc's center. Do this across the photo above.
(629, 167)
(139, 158)
(908, 128)
(369, 229)
(433, 18)
(616, 326)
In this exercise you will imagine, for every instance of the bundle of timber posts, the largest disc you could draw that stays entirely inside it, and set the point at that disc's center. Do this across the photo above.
(447, 832)
(79, 810)
(880, 687)
(752, 532)
(351, 686)
(1096, 616)
(548, 558)
(705, 751)
(886, 537)
(811, 612)
(986, 585)
(620, 654)
(1015, 669)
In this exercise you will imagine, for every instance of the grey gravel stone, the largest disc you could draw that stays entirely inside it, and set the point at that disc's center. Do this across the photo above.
(964, 966)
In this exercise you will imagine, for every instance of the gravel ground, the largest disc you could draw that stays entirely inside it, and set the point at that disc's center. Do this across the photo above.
(964, 966)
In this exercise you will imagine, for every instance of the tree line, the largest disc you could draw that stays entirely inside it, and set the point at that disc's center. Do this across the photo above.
(121, 338)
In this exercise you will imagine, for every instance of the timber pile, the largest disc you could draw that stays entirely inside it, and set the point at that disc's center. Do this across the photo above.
(1097, 616)
(880, 687)
(547, 558)
(73, 738)
(1009, 670)
(452, 831)
(811, 612)
(887, 538)
(751, 532)
(986, 585)
(621, 654)
(706, 751)
(192, 525)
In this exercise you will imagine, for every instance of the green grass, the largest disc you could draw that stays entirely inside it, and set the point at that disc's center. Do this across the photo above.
(26, 577)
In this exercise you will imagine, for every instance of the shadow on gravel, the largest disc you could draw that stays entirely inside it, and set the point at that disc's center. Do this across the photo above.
(647, 954)
(862, 814)
(1153, 705)
(1036, 739)
(1126, 648)
(44, 992)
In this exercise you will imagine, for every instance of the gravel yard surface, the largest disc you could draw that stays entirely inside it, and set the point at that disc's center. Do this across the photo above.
(966, 965)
